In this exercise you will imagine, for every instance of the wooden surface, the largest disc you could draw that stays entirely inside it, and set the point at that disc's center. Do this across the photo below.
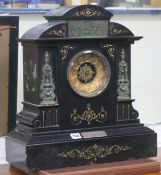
(4, 77)
(133, 167)
(148, 164)
(7, 170)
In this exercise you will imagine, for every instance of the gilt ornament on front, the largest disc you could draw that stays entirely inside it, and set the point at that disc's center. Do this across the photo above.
(117, 31)
(88, 13)
(61, 32)
(94, 152)
(88, 115)
(65, 51)
(110, 49)
(86, 73)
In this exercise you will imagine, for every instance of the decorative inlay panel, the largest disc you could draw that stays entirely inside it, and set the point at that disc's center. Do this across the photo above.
(90, 28)
(60, 32)
(115, 31)
(88, 12)
(110, 49)
(65, 51)
(88, 115)
(94, 152)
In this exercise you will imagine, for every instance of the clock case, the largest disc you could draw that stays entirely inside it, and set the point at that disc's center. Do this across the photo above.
(57, 127)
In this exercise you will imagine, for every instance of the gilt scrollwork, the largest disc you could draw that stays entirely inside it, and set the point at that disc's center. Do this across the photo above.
(88, 115)
(61, 32)
(123, 80)
(110, 49)
(117, 31)
(94, 152)
(88, 13)
(65, 51)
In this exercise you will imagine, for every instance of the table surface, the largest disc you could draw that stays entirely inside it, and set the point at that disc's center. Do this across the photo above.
(7, 170)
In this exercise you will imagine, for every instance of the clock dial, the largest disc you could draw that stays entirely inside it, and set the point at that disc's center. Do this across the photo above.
(89, 73)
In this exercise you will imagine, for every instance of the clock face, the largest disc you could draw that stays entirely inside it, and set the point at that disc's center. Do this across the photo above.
(89, 73)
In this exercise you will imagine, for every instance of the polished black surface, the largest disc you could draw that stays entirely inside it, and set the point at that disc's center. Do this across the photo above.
(58, 126)
(60, 150)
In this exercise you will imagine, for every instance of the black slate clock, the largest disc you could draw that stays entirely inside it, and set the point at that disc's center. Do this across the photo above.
(77, 94)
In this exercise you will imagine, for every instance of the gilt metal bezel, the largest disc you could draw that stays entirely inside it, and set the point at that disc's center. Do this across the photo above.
(106, 71)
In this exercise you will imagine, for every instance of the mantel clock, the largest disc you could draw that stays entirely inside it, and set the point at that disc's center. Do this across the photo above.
(77, 107)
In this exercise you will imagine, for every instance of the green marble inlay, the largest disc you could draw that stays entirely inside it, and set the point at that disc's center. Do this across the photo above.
(88, 28)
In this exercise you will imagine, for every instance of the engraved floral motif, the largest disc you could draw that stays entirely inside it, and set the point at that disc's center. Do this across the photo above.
(65, 51)
(110, 49)
(94, 152)
(61, 32)
(115, 31)
(88, 115)
(85, 73)
(88, 13)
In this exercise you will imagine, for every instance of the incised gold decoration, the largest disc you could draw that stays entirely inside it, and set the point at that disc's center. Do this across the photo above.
(88, 13)
(114, 31)
(65, 51)
(61, 32)
(94, 152)
(89, 74)
(110, 49)
(88, 115)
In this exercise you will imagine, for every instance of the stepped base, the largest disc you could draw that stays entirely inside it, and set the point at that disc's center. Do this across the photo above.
(60, 150)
